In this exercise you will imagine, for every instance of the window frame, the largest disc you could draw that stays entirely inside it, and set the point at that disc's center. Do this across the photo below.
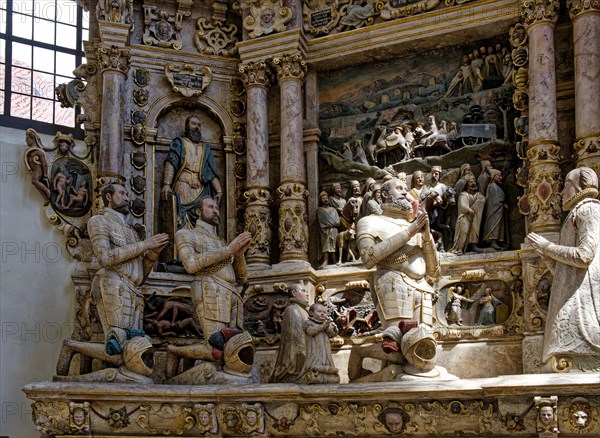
(9, 120)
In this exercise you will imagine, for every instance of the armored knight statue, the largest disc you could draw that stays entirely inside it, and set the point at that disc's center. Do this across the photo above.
(124, 263)
(572, 335)
(216, 267)
(404, 255)
(190, 173)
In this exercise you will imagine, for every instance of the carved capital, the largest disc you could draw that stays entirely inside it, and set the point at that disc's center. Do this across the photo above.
(587, 151)
(256, 74)
(114, 58)
(290, 67)
(580, 7)
(539, 11)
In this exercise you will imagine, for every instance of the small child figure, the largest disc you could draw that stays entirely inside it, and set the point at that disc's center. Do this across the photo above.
(319, 366)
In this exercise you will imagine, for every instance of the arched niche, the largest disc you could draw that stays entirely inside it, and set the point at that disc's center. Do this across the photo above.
(166, 120)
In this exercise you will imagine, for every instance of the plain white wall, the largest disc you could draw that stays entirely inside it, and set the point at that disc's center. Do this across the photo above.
(36, 293)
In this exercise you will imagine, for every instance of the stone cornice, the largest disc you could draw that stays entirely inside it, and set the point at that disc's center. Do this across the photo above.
(414, 33)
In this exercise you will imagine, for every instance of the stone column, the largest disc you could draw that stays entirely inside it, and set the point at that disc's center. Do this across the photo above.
(293, 219)
(586, 39)
(114, 64)
(543, 150)
(257, 217)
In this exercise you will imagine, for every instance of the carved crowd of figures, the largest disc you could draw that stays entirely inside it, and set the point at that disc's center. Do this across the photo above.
(469, 217)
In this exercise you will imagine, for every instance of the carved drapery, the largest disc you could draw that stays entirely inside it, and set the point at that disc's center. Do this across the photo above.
(114, 64)
(293, 227)
(257, 78)
(540, 18)
(586, 38)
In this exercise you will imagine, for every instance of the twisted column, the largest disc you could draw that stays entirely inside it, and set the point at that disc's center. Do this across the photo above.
(292, 193)
(543, 150)
(586, 39)
(257, 77)
(114, 64)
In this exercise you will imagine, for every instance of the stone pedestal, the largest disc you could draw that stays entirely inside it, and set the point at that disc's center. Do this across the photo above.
(478, 407)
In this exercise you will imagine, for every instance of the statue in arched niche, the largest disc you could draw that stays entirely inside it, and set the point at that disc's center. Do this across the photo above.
(190, 173)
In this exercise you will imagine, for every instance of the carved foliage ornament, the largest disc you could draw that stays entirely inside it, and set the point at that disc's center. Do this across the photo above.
(266, 17)
(51, 417)
(537, 11)
(256, 73)
(187, 79)
(290, 67)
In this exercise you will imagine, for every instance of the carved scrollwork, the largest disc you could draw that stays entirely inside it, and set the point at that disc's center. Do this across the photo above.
(51, 417)
(320, 19)
(68, 93)
(162, 29)
(543, 199)
(266, 16)
(214, 38)
(335, 418)
(165, 419)
(114, 58)
(187, 79)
